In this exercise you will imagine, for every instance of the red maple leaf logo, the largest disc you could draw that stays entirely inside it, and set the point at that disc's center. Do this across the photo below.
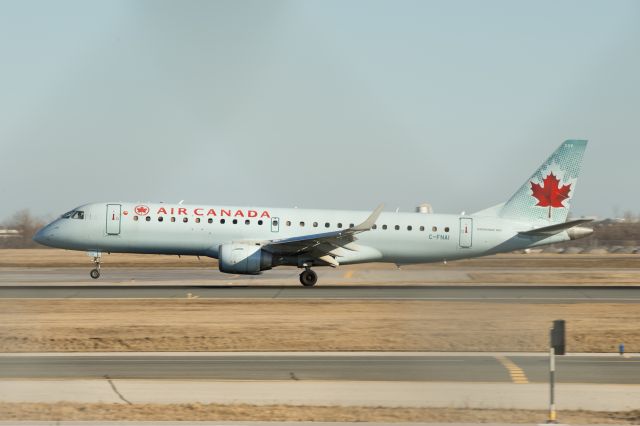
(551, 194)
(141, 210)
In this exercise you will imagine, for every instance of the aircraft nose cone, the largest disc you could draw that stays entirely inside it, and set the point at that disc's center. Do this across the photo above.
(39, 237)
(44, 236)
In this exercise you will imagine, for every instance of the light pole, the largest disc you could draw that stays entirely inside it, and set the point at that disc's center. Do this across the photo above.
(556, 347)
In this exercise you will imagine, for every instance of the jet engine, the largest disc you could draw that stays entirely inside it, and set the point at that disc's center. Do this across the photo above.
(243, 258)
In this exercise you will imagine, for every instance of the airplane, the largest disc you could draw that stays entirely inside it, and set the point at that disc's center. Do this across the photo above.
(249, 240)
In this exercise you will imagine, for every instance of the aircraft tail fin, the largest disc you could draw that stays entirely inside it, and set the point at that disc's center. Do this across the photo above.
(547, 194)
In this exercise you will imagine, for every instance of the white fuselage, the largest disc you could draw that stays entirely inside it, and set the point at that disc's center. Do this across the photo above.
(401, 238)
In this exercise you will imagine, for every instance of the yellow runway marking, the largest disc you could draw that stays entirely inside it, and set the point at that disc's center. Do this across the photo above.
(516, 373)
(348, 274)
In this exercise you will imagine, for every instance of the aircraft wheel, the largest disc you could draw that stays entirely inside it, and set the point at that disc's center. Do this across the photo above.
(308, 278)
(95, 274)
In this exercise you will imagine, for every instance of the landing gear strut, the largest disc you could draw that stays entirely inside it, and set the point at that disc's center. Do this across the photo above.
(308, 278)
(95, 273)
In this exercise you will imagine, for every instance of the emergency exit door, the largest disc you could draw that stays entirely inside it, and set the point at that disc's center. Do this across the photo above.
(466, 232)
(113, 219)
(275, 224)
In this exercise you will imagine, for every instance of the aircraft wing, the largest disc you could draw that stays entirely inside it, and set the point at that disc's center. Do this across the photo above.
(555, 229)
(320, 245)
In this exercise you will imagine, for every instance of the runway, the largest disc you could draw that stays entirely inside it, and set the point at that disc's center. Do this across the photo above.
(507, 294)
(317, 366)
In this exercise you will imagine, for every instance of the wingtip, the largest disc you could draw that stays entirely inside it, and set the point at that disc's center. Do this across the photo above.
(371, 220)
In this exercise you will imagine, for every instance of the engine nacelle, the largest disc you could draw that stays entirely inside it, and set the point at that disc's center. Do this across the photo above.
(243, 258)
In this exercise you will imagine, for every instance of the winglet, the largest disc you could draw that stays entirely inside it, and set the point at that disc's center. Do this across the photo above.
(371, 220)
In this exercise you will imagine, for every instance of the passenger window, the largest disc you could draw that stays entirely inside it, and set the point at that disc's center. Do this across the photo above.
(339, 225)
(197, 220)
(185, 219)
(148, 218)
(173, 219)
(384, 226)
(434, 229)
(446, 229)
(373, 227)
(301, 223)
(210, 220)
(397, 227)
(160, 218)
(315, 224)
(351, 225)
(409, 228)
(235, 221)
(222, 221)
(422, 228)
(288, 223)
(247, 222)
(135, 218)
(326, 225)
(260, 222)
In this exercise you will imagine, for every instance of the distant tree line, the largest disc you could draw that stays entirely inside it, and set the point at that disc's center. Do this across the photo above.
(27, 225)
(610, 233)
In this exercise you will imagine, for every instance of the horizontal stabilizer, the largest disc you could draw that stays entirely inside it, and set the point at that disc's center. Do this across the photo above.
(555, 229)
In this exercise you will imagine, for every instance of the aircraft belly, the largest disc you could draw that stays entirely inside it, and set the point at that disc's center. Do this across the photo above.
(414, 250)
(157, 241)
(358, 254)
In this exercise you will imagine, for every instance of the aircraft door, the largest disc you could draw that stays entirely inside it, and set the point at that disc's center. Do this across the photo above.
(466, 232)
(113, 219)
(275, 224)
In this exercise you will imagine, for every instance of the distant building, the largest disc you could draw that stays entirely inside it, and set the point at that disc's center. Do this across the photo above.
(9, 233)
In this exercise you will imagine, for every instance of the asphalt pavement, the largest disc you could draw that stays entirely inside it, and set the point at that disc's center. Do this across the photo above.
(317, 366)
(515, 294)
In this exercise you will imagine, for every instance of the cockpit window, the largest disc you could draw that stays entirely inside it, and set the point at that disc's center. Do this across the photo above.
(74, 214)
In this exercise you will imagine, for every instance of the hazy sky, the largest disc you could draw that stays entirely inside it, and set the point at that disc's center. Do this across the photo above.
(337, 104)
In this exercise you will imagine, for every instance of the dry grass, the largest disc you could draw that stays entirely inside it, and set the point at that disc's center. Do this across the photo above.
(66, 258)
(555, 277)
(33, 258)
(240, 412)
(294, 325)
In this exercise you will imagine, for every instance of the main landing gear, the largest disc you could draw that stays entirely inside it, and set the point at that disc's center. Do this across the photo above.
(95, 273)
(308, 278)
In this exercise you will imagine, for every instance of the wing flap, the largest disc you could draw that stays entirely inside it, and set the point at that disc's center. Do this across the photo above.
(323, 243)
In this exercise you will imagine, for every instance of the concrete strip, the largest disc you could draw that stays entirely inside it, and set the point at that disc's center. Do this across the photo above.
(369, 394)
(61, 390)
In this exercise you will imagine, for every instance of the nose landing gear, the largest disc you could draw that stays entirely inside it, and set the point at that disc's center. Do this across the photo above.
(95, 273)
(308, 278)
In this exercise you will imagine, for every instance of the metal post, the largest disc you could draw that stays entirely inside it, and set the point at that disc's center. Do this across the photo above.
(552, 382)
